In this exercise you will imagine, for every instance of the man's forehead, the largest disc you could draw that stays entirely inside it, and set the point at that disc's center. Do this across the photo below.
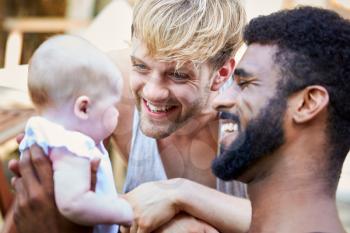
(140, 52)
(257, 58)
(139, 47)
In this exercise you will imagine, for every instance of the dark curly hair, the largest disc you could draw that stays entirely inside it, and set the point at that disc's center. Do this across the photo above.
(313, 48)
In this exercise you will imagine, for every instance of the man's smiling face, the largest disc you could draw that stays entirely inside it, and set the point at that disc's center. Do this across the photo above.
(252, 111)
(166, 97)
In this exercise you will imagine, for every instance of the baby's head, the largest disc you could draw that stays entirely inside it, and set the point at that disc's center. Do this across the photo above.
(74, 84)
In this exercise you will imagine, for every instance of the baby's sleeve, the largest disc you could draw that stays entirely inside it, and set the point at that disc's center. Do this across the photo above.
(48, 135)
(34, 133)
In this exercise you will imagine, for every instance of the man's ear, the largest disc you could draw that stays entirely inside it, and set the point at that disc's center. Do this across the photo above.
(81, 107)
(309, 103)
(222, 74)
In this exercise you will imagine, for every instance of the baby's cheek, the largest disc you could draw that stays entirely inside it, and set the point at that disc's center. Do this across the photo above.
(110, 119)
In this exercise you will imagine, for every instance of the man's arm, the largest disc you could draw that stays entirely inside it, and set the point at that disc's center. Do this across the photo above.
(183, 223)
(155, 203)
(226, 213)
(180, 223)
(35, 209)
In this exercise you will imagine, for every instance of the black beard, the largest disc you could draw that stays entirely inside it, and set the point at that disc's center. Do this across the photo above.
(262, 136)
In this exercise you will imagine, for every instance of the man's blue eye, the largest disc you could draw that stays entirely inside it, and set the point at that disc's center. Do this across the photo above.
(140, 66)
(178, 76)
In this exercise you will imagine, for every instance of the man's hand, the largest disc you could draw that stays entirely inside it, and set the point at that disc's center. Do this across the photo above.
(183, 223)
(35, 208)
(154, 204)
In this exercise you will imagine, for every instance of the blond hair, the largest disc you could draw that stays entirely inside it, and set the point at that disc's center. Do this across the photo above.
(190, 30)
(65, 67)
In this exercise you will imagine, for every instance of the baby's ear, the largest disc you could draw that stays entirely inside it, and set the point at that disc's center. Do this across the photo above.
(81, 107)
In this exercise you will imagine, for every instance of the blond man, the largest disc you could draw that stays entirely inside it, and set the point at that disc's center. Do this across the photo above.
(181, 55)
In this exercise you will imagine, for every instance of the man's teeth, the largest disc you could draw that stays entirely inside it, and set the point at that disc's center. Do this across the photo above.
(229, 127)
(157, 108)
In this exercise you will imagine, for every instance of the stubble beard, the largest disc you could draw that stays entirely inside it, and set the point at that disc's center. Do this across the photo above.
(153, 129)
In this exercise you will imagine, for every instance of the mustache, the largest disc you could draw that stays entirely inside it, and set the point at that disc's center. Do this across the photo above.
(230, 116)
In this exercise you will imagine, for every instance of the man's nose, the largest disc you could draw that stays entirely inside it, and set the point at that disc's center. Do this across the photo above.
(155, 90)
(225, 100)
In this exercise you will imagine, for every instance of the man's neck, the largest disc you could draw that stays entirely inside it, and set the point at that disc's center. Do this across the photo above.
(188, 153)
(288, 203)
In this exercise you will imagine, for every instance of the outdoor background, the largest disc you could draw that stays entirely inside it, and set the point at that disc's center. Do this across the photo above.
(25, 24)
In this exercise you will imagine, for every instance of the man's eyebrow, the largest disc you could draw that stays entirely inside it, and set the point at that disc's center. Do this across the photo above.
(188, 70)
(242, 73)
(135, 59)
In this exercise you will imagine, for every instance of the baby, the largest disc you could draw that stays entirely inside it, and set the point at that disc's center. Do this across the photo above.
(75, 89)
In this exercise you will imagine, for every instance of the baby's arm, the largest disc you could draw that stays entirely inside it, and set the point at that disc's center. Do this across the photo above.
(74, 198)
